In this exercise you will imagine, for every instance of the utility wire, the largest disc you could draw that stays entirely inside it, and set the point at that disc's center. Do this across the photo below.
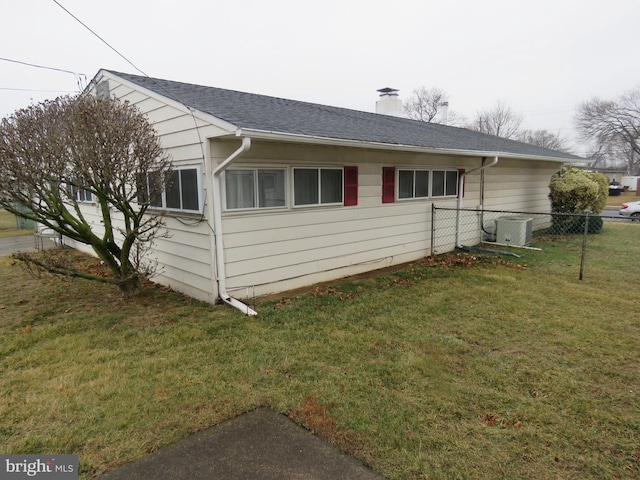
(41, 66)
(99, 37)
(79, 76)
(33, 90)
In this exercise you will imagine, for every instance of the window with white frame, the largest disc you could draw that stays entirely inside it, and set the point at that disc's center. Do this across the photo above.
(444, 183)
(247, 188)
(79, 194)
(183, 191)
(413, 183)
(419, 183)
(317, 186)
(83, 195)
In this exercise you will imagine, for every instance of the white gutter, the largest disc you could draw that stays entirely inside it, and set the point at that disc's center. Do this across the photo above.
(217, 228)
(460, 192)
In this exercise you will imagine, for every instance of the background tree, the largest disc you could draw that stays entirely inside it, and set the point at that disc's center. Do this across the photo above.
(610, 122)
(544, 138)
(500, 120)
(52, 154)
(430, 105)
(573, 191)
(614, 153)
(576, 191)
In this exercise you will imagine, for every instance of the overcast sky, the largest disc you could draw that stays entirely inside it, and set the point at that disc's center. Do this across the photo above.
(541, 57)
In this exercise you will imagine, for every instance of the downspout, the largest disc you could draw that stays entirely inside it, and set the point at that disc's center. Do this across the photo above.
(217, 229)
(460, 191)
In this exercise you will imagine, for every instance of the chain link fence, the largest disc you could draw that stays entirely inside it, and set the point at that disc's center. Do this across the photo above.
(474, 229)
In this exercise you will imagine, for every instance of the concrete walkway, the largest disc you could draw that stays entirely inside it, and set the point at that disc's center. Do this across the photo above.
(22, 243)
(261, 444)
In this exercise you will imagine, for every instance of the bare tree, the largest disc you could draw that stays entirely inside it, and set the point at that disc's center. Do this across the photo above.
(56, 155)
(544, 138)
(607, 122)
(614, 153)
(500, 120)
(425, 104)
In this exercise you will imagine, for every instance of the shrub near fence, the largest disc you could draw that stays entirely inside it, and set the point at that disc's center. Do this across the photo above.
(512, 230)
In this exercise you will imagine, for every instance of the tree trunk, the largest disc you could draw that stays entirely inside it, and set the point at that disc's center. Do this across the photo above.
(130, 285)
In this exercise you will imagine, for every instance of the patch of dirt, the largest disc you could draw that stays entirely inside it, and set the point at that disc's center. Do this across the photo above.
(317, 418)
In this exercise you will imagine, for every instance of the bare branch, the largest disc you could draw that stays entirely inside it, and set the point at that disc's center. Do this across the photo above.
(425, 104)
(545, 139)
(500, 120)
(58, 150)
(613, 126)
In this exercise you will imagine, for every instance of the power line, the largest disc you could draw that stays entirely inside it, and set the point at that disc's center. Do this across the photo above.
(79, 76)
(41, 66)
(32, 90)
(99, 37)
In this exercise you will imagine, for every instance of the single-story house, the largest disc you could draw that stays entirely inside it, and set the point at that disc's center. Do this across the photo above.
(275, 194)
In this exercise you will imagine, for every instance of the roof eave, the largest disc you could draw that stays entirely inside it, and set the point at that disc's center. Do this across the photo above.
(316, 140)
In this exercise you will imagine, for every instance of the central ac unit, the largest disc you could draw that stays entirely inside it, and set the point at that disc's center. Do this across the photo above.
(514, 230)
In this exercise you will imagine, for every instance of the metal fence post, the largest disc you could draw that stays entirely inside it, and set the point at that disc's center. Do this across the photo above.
(433, 229)
(584, 244)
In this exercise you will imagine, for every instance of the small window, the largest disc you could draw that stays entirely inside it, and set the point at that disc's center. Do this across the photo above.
(413, 183)
(255, 188)
(182, 192)
(445, 183)
(102, 89)
(418, 183)
(317, 186)
(79, 194)
(83, 195)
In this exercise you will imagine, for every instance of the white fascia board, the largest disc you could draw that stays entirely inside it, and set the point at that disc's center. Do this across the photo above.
(298, 138)
(215, 121)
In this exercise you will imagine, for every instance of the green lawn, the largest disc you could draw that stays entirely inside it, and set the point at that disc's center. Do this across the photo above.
(616, 201)
(459, 367)
(9, 226)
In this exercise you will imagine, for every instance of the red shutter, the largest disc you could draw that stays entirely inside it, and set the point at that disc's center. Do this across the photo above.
(460, 172)
(350, 186)
(388, 184)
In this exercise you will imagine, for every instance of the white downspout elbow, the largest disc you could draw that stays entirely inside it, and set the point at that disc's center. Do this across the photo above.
(460, 191)
(217, 228)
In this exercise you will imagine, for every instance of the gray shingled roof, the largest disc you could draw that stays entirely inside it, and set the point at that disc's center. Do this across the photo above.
(250, 111)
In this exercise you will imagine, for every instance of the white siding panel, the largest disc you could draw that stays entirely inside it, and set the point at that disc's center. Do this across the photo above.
(186, 154)
(277, 279)
(371, 226)
(321, 216)
(186, 260)
(274, 271)
(335, 241)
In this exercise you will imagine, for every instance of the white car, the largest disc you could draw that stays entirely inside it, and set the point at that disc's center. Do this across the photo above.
(630, 209)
